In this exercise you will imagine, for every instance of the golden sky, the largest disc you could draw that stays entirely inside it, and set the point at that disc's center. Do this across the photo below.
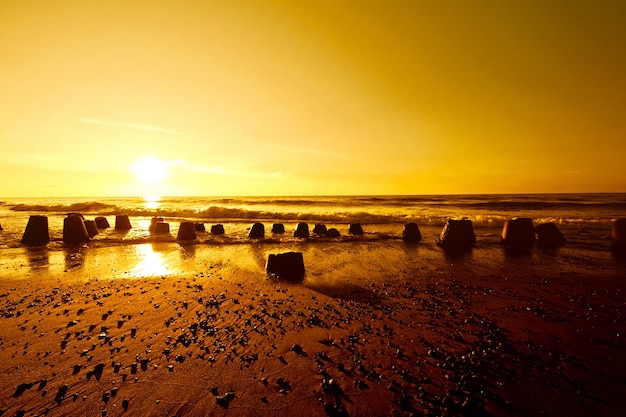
(111, 98)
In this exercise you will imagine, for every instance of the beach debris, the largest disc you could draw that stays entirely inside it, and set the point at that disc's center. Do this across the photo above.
(549, 236)
(36, 232)
(102, 222)
(224, 400)
(319, 230)
(278, 228)
(60, 395)
(288, 265)
(217, 229)
(296, 348)
(411, 233)
(302, 230)
(92, 228)
(21, 388)
(186, 231)
(356, 229)
(336, 409)
(74, 230)
(333, 233)
(199, 227)
(457, 235)
(518, 232)
(257, 231)
(122, 222)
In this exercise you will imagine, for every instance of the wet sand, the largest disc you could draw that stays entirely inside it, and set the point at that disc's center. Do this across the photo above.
(375, 329)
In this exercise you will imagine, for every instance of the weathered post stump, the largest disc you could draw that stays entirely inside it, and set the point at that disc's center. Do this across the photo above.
(302, 230)
(217, 229)
(356, 229)
(122, 222)
(153, 223)
(288, 266)
(278, 229)
(518, 232)
(161, 228)
(411, 233)
(199, 227)
(74, 230)
(619, 237)
(36, 232)
(92, 228)
(319, 229)
(257, 231)
(102, 223)
(457, 235)
(186, 231)
(549, 236)
(333, 233)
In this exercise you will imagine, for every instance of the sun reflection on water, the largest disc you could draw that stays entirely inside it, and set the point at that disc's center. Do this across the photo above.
(151, 263)
(152, 201)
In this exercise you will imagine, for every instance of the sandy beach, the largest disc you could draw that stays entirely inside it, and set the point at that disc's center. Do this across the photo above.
(375, 329)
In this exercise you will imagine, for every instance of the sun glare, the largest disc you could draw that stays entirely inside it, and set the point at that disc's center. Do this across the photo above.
(152, 201)
(149, 170)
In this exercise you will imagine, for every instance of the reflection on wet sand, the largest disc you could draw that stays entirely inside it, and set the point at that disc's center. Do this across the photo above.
(38, 257)
(73, 256)
(151, 262)
(186, 250)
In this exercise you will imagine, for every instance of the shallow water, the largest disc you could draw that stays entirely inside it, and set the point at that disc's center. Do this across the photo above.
(584, 219)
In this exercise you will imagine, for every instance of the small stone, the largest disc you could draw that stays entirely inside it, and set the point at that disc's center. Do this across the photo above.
(297, 349)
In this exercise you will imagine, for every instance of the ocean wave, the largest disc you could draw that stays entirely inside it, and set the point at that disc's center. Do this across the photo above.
(537, 205)
(387, 216)
(86, 207)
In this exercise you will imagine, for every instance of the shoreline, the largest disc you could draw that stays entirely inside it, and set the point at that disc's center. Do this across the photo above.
(375, 328)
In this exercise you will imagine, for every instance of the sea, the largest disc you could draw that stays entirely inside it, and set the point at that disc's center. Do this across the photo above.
(584, 219)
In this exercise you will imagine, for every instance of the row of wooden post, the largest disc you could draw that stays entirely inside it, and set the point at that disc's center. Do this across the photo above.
(456, 234)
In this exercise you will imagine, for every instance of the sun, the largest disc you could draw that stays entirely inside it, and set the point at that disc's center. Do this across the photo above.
(149, 170)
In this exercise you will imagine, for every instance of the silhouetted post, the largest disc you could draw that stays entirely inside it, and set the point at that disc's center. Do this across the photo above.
(92, 228)
(217, 229)
(257, 231)
(518, 232)
(549, 236)
(122, 222)
(161, 228)
(278, 228)
(186, 231)
(102, 223)
(333, 233)
(199, 227)
(411, 233)
(153, 223)
(457, 235)
(36, 232)
(319, 229)
(289, 265)
(356, 229)
(302, 230)
(619, 237)
(74, 230)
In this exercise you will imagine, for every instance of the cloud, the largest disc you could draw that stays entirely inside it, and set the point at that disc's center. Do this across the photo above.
(131, 125)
